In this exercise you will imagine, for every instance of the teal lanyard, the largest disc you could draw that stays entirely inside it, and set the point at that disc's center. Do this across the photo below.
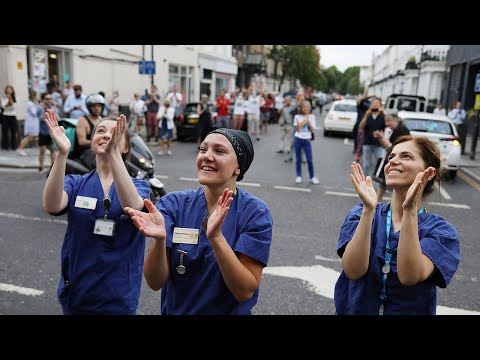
(388, 256)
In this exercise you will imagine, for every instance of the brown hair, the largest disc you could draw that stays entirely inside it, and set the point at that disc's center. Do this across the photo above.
(125, 156)
(431, 156)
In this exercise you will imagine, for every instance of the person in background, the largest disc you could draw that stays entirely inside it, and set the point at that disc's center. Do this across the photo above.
(439, 110)
(67, 90)
(74, 106)
(102, 253)
(8, 104)
(152, 102)
(209, 245)
(137, 113)
(286, 126)
(374, 119)
(176, 98)
(304, 124)
(114, 104)
(204, 125)
(458, 116)
(394, 123)
(44, 138)
(106, 108)
(165, 117)
(30, 128)
(222, 110)
(239, 111)
(395, 254)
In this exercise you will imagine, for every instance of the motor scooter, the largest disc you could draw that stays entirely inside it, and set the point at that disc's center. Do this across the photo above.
(140, 165)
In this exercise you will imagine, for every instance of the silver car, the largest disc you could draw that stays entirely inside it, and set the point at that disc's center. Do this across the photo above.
(441, 130)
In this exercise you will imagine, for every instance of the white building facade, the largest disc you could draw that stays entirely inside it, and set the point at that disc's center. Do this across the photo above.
(116, 67)
(409, 69)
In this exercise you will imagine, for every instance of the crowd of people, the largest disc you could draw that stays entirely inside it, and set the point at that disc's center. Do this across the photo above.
(209, 245)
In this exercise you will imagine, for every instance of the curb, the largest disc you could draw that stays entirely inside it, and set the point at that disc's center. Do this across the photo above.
(470, 174)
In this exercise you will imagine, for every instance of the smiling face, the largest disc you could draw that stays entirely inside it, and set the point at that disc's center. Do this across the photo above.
(404, 163)
(216, 161)
(103, 133)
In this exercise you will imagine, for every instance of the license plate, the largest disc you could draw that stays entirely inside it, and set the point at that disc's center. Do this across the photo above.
(192, 120)
(344, 118)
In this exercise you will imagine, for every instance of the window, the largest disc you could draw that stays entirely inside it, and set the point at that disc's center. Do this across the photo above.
(407, 105)
(207, 74)
(345, 108)
(429, 126)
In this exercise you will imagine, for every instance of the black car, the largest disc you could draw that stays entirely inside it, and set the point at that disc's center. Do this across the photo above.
(186, 123)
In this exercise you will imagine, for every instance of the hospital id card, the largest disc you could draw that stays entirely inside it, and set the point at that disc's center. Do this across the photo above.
(185, 236)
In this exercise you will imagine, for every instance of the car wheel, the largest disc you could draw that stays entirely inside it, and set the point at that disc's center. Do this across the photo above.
(326, 133)
(451, 174)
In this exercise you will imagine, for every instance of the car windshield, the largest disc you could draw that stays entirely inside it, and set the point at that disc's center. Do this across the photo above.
(190, 108)
(345, 107)
(429, 126)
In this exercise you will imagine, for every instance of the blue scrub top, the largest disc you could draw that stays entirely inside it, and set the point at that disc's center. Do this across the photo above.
(438, 241)
(100, 274)
(202, 290)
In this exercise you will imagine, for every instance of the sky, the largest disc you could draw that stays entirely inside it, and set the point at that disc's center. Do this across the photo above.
(344, 56)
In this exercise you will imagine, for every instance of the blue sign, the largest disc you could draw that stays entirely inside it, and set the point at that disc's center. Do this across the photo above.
(477, 83)
(146, 67)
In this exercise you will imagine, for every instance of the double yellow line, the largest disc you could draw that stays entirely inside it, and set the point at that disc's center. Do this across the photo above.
(469, 180)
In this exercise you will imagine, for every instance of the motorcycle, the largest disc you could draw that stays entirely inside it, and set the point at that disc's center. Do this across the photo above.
(140, 165)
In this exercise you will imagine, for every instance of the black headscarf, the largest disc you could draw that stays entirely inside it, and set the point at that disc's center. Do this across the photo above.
(242, 145)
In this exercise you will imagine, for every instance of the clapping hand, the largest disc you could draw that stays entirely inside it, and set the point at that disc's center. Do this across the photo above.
(150, 224)
(364, 187)
(413, 199)
(218, 216)
(57, 132)
(117, 136)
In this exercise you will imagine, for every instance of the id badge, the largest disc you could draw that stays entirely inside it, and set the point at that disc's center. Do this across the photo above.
(104, 227)
(185, 236)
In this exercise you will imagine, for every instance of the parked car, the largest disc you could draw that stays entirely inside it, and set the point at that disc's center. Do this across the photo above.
(441, 130)
(341, 117)
(399, 102)
(186, 122)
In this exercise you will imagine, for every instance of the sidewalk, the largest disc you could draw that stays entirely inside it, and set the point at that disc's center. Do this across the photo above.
(11, 159)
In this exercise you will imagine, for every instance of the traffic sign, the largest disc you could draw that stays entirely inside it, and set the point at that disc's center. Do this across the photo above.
(477, 83)
(146, 67)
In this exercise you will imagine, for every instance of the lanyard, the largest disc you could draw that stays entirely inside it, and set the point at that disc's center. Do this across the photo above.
(388, 256)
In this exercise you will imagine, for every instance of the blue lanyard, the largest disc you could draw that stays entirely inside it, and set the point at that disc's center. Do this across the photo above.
(388, 256)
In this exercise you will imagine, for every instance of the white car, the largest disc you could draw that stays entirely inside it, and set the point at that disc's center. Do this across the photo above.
(341, 117)
(441, 130)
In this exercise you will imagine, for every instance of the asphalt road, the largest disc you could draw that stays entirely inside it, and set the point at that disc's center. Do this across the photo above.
(303, 264)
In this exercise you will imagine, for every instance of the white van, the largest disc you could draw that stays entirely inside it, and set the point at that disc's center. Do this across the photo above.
(401, 102)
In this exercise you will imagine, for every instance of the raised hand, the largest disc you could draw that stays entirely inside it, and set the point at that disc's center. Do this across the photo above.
(413, 199)
(364, 187)
(217, 218)
(117, 136)
(57, 132)
(150, 224)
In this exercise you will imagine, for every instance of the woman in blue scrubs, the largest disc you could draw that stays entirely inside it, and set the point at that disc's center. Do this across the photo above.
(102, 254)
(209, 245)
(394, 255)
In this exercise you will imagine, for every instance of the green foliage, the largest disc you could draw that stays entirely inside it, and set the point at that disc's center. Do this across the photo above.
(302, 62)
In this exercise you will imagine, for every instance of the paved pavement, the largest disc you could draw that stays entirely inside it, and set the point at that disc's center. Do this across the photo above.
(11, 159)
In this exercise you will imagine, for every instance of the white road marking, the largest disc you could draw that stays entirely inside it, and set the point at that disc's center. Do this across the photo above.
(248, 184)
(292, 188)
(320, 257)
(443, 192)
(188, 179)
(161, 176)
(346, 141)
(33, 218)
(18, 170)
(456, 206)
(321, 280)
(341, 194)
(20, 290)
